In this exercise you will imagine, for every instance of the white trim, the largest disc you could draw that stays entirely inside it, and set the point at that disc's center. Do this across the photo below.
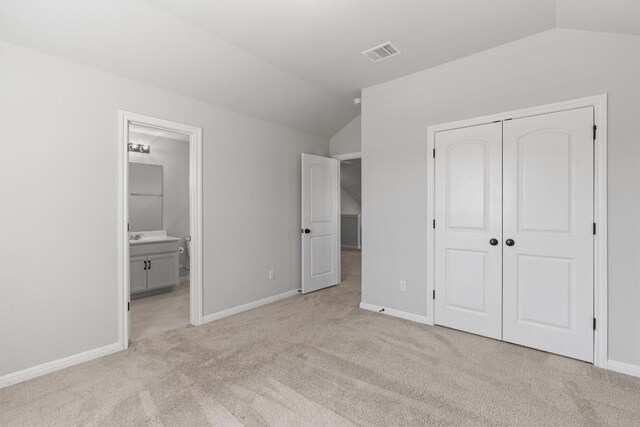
(251, 305)
(600, 248)
(599, 104)
(359, 229)
(348, 156)
(395, 313)
(623, 368)
(123, 231)
(195, 211)
(56, 365)
(338, 225)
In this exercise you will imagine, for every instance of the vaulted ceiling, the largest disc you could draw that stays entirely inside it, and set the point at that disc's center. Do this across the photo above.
(292, 62)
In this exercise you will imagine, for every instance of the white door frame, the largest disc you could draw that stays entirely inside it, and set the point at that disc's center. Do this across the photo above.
(195, 215)
(600, 285)
(348, 156)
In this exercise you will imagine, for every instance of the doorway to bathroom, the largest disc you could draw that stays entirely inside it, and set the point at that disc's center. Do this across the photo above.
(160, 226)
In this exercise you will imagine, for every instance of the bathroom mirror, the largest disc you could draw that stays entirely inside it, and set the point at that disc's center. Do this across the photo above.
(145, 197)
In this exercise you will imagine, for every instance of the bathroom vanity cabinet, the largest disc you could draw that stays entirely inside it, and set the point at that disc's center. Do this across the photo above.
(153, 266)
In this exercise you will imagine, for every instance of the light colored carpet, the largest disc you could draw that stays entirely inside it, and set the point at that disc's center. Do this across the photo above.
(317, 359)
(159, 313)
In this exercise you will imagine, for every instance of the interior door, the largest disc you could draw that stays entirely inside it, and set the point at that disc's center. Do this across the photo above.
(548, 231)
(468, 229)
(320, 222)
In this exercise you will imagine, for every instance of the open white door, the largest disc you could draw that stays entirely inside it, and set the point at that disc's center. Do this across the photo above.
(320, 222)
(468, 206)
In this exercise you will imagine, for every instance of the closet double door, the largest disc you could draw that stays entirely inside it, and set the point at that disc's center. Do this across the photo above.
(514, 231)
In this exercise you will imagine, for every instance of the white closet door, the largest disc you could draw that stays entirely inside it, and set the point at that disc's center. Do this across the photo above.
(548, 216)
(468, 206)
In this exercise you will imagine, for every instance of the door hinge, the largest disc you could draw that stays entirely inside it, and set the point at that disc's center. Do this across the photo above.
(434, 294)
(594, 228)
(434, 223)
(594, 323)
(434, 153)
(595, 128)
(128, 306)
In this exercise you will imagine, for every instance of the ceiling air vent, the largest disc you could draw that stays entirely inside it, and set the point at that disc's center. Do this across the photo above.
(381, 52)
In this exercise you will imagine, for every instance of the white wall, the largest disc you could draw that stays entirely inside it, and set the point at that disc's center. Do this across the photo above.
(552, 66)
(347, 140)
(348, 205)
(173, 155)
(59, 196)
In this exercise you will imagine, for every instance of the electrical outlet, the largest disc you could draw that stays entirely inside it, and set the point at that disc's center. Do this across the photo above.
(272, 274)
(403, 285)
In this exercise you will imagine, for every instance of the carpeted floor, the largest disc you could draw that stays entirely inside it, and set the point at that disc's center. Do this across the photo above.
(159, 313)
(318, 359)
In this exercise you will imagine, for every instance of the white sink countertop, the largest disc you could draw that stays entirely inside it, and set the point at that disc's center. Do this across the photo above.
(151, 237)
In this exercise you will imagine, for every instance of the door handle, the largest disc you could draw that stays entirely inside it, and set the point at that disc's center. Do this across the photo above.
(493, 242)
(149, 265)
(509, 242)
(145, 265)
(306, 231)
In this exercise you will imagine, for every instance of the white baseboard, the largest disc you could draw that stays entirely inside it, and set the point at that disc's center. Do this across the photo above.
(239, 309)
(56, 365)
(395, 313)
(623, 368)
(613, 365)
